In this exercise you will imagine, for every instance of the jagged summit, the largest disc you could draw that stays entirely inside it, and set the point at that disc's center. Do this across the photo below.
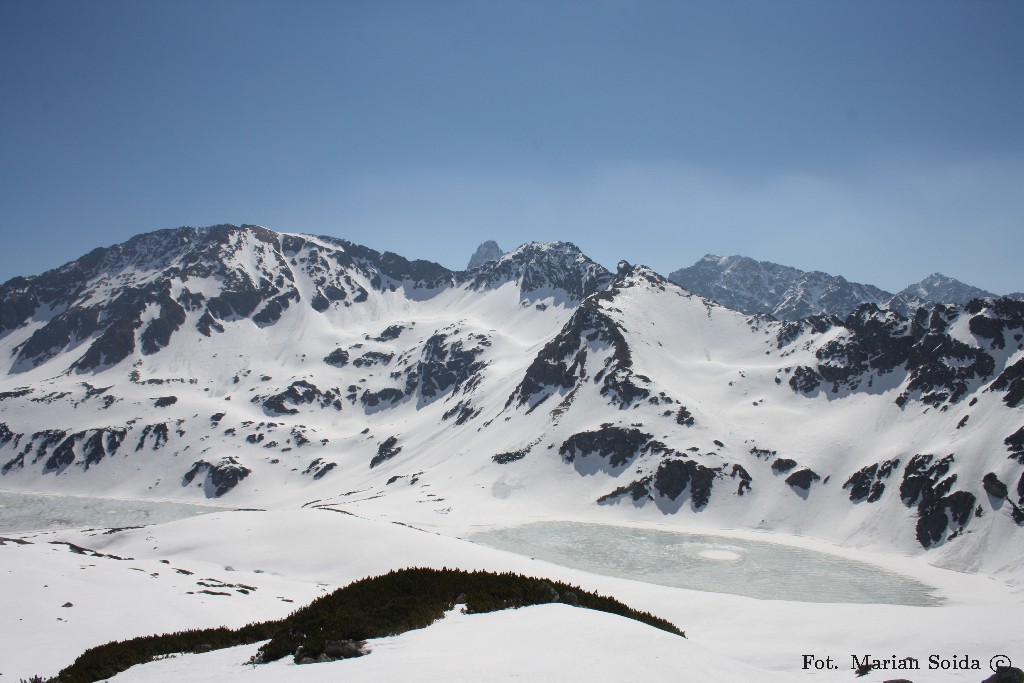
(141, 292)
(744, 284)
(749, 286)
(934, 289)
(545, 269)
(487, 251)
(138, 294)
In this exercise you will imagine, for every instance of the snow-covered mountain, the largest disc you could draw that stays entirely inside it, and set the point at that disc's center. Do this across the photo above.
(935, 289)
(788, 293)
(309, 376)
(277, 369)
(487, 251)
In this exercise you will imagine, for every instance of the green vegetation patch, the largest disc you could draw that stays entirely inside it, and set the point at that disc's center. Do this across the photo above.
(334, 626)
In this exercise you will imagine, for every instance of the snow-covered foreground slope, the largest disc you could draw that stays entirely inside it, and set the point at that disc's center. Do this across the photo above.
(539, 643)
(252, 563)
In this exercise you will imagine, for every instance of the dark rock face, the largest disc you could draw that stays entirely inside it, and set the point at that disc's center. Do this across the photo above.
(617, 445)
(488, 251)
(562, 363)
(992, 329)
(385, 396)
(805, 380)
(1015, 445)
(371, 358)
(462, 411)
(511, 456)
(802, 479)
(953, 511)
(878, 342)
(867, 482)
(926, 485)
(921, 475)
(543, 270)
(993, 486)
(941, 368)
(1011, 380)
(390, 333)
(744, 477)
(39, 445)
(319, 468)
(637, 491)
(683, 417)
(164, 401)
(385, 451)
(338, 358)
(91, 444)
(158, 333)
(17, 305)
(783, 465)
(299, 393)
(218, 478)
(445, 366)
(159, 432)
(673, 477)
(7, 436)
(790, 331)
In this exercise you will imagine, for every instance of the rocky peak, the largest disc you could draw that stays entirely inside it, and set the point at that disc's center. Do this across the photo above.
(751, 287)
(545, 269)
(488, 251)
(934, 289)
(144, 290)
(629, 275)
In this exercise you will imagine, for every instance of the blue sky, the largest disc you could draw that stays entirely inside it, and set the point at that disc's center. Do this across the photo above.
(877, 140)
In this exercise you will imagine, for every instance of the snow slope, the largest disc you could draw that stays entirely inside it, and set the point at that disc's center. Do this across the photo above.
(297, 555)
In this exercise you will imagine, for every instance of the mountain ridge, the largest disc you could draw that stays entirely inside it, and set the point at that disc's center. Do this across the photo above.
(262, 366)
(788, 293)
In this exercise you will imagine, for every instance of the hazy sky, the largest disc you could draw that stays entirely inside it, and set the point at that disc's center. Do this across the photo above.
(879, 140)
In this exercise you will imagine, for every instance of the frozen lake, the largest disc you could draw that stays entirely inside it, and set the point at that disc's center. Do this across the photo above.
(38, 512)
(709, 563)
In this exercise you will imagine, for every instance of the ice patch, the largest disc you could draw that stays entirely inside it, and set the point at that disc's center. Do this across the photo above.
(756, 569)
(20, 512)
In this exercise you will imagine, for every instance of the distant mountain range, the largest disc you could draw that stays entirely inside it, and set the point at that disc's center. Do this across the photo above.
(787, 293)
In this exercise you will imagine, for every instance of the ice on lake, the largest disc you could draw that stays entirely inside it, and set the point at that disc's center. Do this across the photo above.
(21, 512)
(710, 563)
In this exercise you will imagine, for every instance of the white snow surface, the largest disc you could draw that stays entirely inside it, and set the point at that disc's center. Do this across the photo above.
(300, 554)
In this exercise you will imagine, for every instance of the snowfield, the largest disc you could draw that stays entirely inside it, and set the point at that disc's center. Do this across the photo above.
(261, 565)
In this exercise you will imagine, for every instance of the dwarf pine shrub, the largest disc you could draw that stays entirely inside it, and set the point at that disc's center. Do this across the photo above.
(374, 607)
